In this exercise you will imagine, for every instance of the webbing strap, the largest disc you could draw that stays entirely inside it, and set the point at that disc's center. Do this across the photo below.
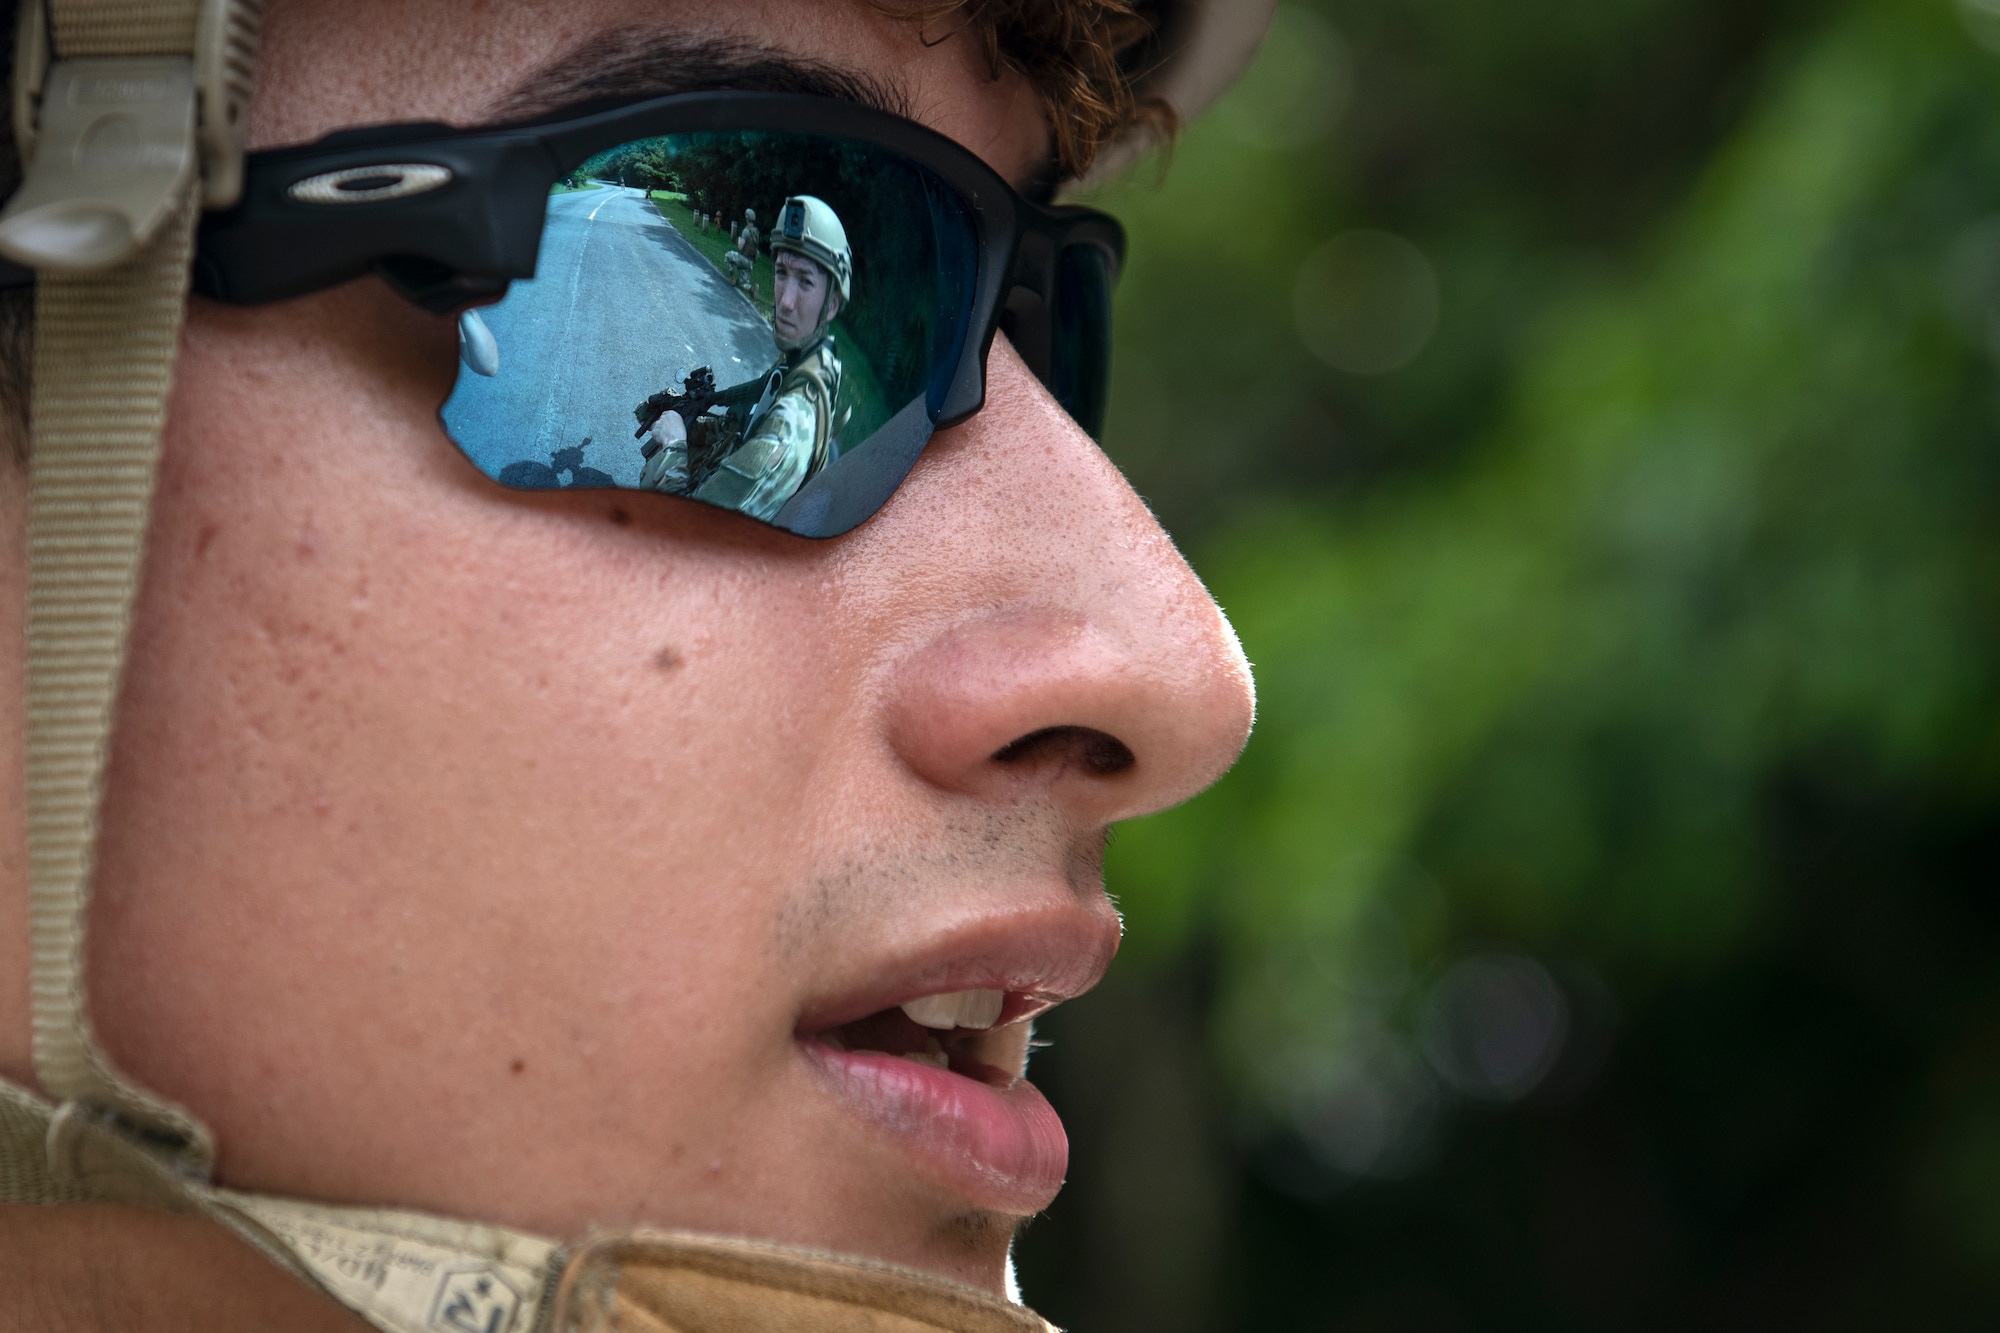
(123, 27)
(104, 355)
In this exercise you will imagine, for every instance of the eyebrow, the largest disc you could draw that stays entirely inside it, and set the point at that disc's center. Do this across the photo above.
(627, 63)
(630, 63)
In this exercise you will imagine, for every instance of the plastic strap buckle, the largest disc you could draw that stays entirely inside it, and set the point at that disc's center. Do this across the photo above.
(114, 153)
(112, 143)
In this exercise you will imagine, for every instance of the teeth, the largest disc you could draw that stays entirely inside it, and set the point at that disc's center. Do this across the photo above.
(957, 1009)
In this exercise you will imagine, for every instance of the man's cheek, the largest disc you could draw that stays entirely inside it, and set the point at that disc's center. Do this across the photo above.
(351, 377)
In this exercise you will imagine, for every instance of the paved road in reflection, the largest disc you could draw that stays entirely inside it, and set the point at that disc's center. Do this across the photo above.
(620, 307)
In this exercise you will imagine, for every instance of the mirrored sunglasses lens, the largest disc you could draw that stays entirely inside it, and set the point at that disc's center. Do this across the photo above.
(765, 322)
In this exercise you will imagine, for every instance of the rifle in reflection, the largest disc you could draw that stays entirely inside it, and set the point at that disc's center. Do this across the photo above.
(696, 397)
(710, 438)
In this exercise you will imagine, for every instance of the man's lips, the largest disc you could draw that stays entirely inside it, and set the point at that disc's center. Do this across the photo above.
(1000, 1149)
(929, 1051)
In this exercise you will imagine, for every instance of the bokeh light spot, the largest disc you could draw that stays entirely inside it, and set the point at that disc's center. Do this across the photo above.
(1493, 1026)
(1972, 279)
(1366, 302)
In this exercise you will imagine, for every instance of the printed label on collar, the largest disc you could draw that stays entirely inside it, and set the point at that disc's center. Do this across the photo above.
(405, 1272)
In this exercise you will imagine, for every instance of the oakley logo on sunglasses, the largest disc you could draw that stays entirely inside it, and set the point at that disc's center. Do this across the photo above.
(367, 185)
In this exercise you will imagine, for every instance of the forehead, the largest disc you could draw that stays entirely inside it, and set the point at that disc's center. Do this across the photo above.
(332, 64)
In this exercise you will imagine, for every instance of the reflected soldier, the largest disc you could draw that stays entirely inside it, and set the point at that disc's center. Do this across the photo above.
(741, 262)
(787, 436)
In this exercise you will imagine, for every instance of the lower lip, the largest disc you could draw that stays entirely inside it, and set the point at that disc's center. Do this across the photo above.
(1003, 1151)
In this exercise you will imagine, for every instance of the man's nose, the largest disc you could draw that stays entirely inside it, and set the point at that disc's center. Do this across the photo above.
(1051, 637)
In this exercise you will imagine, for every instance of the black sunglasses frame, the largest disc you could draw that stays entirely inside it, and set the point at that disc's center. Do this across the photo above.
(460, 241)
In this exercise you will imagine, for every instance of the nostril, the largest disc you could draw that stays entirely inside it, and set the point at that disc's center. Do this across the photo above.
(1088, 749)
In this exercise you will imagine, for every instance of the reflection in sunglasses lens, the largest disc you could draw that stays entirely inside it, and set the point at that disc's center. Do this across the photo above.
(760, 321)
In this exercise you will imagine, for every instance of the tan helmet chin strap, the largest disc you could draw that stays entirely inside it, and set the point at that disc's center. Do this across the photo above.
(105, 339)
(104, 356)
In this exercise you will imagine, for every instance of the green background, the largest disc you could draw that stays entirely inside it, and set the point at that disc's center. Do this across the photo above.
(1635, 634)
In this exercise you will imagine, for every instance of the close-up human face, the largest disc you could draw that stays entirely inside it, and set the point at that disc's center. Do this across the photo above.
(799, 294)
(579, 859)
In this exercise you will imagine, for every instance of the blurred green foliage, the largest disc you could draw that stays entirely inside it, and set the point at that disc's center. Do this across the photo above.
(1641, 629)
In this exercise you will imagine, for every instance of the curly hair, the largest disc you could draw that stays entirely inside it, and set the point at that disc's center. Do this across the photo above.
(1082, 57)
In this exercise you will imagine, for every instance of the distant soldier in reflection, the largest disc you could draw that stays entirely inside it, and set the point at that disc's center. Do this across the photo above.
(741, 262)
(768, 450)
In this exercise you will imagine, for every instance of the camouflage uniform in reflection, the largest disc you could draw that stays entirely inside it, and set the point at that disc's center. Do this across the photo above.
(788, 435)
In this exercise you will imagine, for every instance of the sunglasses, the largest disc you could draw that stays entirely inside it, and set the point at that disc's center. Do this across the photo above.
(766, 302)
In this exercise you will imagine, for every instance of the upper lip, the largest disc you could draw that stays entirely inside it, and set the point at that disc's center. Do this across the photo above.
(1040, 959)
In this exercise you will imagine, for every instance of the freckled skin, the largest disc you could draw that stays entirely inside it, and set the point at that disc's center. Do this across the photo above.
(478, 851)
